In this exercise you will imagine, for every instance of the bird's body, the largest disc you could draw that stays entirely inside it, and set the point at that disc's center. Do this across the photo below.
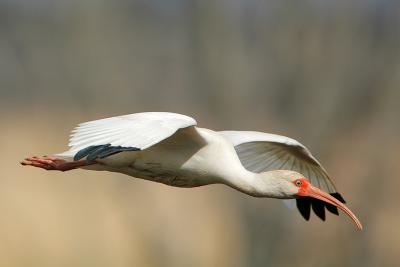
(169, 148)
(191, 157)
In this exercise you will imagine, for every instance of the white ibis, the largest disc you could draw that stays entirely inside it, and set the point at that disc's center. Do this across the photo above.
(170, 149)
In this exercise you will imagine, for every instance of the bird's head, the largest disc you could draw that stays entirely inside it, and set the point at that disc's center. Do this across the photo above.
(291, 184)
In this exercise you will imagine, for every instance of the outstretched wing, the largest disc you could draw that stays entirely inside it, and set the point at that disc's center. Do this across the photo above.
(260, 152)
(101, 138)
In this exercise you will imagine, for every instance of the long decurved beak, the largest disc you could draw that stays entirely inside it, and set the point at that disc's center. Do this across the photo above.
(314, 192)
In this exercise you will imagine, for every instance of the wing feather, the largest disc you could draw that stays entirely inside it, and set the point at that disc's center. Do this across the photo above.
(278, 152)
(260, 152)
(139, 131)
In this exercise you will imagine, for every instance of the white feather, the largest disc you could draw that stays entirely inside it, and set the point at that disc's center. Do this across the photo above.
(260, 152)
(139, 130)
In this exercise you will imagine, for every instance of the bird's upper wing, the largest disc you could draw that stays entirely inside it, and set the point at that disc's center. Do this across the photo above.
(260, 152)
(129, 132)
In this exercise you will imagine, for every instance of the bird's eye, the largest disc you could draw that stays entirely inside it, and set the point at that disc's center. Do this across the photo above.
(298, 183)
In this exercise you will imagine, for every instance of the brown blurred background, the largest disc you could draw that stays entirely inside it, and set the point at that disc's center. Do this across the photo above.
(326, 73)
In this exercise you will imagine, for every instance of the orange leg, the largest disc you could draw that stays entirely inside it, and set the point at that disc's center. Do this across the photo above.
(53, 163)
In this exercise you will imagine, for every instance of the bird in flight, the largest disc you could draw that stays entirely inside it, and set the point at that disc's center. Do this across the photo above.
(169, 148)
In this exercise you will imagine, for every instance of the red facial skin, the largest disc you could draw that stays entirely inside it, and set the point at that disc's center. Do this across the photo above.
(308, 190)
(303, 187)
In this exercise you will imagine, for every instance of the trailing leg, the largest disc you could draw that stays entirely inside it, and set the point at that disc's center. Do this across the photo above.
(53, 163)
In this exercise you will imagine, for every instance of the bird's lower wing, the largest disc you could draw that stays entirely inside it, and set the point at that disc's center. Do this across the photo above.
(261, 152)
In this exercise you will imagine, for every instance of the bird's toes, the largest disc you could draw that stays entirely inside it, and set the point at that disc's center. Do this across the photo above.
(43, 163)
(25, 162)
(30, 159)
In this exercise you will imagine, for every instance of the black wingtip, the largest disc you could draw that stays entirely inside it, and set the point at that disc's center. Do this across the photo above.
(101, 151)
(338, 196)
(332, 209)
(319, 208)
(304, 206)
(86, 151)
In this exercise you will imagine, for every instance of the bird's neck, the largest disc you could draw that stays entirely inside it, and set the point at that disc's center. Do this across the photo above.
(254, 184)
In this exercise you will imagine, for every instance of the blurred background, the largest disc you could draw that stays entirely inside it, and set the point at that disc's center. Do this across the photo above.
(326, 73)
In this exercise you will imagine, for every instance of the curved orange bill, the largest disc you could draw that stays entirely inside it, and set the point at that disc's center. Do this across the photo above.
(314, 192)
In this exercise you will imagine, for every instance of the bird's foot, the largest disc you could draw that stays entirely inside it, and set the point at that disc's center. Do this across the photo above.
(52, 163)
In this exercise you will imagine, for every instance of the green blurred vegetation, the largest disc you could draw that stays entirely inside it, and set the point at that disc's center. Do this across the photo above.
(324, 72)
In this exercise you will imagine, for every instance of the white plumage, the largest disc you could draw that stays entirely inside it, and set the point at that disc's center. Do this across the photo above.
(169, 148)
(260, 152)
(140, 130)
